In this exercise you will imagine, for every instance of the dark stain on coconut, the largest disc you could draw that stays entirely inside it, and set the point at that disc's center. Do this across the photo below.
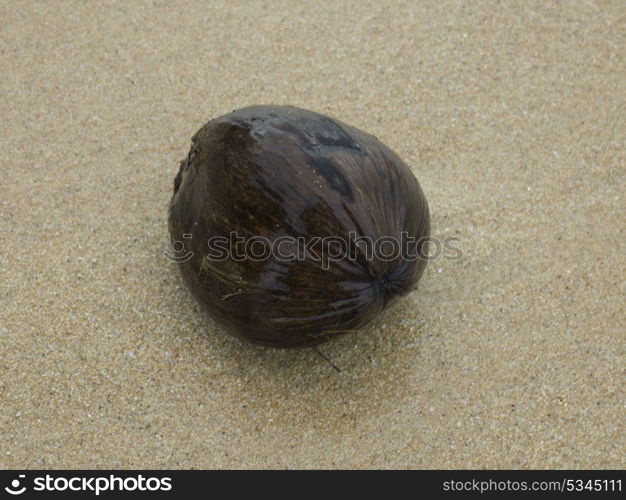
(277, 172)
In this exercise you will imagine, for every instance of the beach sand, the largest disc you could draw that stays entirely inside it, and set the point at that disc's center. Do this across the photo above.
(512, 117)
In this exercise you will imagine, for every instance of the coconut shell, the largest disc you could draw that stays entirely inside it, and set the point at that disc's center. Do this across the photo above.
(280, 173)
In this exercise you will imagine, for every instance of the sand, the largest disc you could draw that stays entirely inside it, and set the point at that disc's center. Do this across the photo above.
(512, 116)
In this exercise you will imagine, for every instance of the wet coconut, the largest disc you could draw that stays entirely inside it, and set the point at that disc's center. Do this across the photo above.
(281, 212)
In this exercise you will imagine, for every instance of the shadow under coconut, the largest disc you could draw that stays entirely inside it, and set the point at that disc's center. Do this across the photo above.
(297, 387)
